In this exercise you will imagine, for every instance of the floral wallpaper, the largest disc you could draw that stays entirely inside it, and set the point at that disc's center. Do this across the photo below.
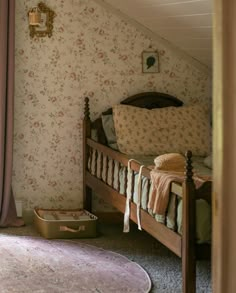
(93, 52)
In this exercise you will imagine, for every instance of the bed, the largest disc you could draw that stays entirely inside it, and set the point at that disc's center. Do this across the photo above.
(114, 175)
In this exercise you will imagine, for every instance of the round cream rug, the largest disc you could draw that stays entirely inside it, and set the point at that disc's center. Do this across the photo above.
(36, 265)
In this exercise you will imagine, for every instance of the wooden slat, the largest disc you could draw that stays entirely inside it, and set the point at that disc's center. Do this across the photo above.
(126, 180)
(112, 173)
(166, 236)
(117, 156)
(106, 168)
(96, 162)
(118, 186)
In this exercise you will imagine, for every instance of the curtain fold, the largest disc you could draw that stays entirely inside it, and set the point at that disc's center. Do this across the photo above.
(7, 27)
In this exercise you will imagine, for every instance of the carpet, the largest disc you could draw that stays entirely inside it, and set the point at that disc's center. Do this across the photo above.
(33, 264)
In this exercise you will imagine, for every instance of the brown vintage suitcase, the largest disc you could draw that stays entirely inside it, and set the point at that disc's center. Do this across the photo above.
(65, 223)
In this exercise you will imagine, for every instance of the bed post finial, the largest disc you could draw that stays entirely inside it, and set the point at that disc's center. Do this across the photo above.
(86, 109)
(189, 167)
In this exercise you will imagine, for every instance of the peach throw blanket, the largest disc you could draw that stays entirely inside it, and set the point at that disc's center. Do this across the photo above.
(161, 182)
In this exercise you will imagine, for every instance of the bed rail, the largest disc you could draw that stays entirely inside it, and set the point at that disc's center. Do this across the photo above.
(117, 156)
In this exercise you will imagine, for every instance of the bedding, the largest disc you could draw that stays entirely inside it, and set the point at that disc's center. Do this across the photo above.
(203, 221)
(174, 209)
(158, 131)
(109, 129)
(208, 161)
(161, 181)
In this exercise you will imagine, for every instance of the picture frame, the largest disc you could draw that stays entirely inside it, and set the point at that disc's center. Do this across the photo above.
(46, 26)
(150, 62)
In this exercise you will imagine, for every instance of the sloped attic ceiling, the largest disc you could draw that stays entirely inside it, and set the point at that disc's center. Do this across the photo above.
(185, 23)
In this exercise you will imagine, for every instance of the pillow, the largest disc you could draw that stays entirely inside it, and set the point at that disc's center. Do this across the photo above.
(98, 132)
(170, 162)
(141, 131)
(94, 134)
(208, 161)
(109, 129)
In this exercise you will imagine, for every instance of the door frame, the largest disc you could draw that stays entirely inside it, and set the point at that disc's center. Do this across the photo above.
(224, 144)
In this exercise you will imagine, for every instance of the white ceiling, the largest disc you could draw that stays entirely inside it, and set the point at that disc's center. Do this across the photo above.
(185, 23)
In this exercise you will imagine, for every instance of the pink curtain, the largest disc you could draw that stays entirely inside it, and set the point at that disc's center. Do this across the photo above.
(7, 26)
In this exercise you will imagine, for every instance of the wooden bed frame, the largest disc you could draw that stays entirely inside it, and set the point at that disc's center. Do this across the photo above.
(183, 245)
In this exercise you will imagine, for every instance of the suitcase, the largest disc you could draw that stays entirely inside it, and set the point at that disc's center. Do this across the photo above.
(53, 224)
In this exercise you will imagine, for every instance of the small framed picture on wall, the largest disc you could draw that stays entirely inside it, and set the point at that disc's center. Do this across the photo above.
(150, 62)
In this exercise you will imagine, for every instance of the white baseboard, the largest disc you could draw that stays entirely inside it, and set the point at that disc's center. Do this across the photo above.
(19, 208)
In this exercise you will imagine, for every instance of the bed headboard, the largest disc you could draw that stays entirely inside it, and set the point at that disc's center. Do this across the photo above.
(151, 100)
(148, 100)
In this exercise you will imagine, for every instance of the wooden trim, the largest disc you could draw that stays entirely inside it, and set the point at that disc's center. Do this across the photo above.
(218, 278)
(150, 100)
(224, 103)
(109, 217)
(159, 231)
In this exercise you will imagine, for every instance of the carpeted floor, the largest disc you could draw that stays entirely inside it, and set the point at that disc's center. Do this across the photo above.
(163, 267)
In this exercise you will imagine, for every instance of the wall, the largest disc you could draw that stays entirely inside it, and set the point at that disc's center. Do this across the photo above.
(93, 52)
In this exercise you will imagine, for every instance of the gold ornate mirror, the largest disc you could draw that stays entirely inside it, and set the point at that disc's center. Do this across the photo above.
(41, 21)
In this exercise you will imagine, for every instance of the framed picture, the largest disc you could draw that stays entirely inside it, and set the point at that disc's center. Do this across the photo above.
(46, 16)
(150, 61)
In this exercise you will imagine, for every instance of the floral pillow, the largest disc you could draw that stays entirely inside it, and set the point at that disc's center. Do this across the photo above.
(141, 131)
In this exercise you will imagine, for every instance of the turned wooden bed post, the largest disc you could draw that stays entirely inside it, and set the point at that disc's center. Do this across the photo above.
(189, 228)
(87, 193)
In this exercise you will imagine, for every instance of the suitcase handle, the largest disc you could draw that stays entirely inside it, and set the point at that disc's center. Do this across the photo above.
(65, 228)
